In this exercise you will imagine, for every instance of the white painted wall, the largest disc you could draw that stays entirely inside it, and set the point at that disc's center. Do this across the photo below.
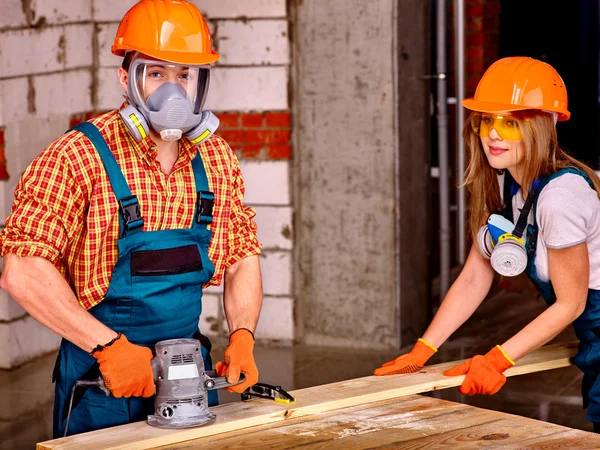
(49, 71)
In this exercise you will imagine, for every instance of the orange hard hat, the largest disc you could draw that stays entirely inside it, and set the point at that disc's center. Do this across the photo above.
(169, 30)
(519, 83)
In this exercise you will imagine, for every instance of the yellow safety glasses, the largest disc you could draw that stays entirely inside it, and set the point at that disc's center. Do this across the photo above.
(505, 125)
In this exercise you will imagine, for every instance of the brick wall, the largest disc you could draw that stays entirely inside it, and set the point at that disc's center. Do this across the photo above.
(258, 135)
(56, 69)
(482, 22)
(46, 74)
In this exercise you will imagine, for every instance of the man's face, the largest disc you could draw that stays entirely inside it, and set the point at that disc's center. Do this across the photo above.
(154, 76)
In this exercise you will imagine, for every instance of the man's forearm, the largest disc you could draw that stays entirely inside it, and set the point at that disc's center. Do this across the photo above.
(43, 292)
(242, 297)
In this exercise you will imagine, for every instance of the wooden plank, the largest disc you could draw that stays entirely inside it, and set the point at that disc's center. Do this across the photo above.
(413, 422)
(507, 431)
(367, 426)
(569, 439)
(309, 401)
(306, 431)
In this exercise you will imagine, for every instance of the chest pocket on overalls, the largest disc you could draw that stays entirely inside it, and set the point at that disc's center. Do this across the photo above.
(168, 261)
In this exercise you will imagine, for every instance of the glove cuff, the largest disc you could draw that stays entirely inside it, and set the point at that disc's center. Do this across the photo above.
(422, 351)
(242, 335)
(499, 359)
(99, 348)
(117, 348)
(431, 346)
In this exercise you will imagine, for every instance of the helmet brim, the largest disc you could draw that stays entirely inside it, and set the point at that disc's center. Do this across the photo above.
(187, 58)
(493, 107)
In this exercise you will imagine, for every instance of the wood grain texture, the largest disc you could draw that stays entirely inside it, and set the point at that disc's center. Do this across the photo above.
(310, 401)
(413, 422)
(373, 418)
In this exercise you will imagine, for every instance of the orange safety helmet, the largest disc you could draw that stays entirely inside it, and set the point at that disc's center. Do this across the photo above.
(169, 30)
(519, 83)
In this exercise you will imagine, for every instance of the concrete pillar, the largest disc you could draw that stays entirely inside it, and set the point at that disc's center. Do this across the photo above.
(345, 173)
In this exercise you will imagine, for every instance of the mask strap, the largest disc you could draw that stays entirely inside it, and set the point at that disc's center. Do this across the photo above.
(507, 196)
(522, 221)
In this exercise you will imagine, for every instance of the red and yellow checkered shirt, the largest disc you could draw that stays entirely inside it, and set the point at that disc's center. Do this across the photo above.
(65, 209)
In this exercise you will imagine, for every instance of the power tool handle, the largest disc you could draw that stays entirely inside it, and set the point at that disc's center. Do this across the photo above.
(98, 382)
(155, 363)
(216, 382)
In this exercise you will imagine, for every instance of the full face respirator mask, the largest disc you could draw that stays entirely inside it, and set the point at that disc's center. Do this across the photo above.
(503, 243)
(168, 98)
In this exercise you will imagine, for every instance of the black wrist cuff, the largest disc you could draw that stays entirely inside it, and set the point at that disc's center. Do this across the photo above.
(99, 347)
(235, 331)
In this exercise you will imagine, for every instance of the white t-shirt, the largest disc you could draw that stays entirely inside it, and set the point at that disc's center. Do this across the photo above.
(568, 213)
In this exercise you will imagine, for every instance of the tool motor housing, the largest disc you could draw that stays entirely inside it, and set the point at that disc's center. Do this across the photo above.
(181, 385)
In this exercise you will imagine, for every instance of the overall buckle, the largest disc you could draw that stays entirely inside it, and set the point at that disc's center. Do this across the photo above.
(532, 233)
(130, 209)
(204, 207)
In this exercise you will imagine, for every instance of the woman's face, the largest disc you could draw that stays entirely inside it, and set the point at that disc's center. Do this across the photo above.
(501, 140)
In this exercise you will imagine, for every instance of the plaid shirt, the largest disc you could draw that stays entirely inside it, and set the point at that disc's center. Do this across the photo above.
(65, 209)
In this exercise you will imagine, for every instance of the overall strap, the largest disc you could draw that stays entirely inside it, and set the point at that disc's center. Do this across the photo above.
(543, 182)
(547, 179)
(507, 196)
(205, 198)
(129, 208)
(509, 190)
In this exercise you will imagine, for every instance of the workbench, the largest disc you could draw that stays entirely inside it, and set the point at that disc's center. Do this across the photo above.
(368, 412)
(413, 422)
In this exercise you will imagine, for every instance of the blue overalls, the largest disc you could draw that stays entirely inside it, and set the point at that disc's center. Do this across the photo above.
(155, 293)
(587, 326)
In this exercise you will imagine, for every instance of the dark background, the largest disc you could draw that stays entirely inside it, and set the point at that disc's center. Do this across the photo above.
(565, 35)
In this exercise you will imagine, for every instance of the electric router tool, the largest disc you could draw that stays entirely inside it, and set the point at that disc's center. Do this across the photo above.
(182, 385)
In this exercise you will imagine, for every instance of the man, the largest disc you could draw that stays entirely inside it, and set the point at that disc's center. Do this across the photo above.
(117, 225)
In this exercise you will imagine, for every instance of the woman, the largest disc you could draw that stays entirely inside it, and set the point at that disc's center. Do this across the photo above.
(533, 208)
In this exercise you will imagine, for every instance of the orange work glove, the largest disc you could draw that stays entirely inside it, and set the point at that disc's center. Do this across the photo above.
(126, 368)
(484, 373)
(411, 362)
(239, 358)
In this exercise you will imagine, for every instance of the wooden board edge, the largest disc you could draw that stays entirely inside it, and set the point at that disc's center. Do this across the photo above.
(545, 358)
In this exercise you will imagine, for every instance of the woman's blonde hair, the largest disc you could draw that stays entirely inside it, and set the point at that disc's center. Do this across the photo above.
(542, 156)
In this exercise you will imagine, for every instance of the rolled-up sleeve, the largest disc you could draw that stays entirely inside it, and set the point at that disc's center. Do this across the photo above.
(242, 231)
(47, 210)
